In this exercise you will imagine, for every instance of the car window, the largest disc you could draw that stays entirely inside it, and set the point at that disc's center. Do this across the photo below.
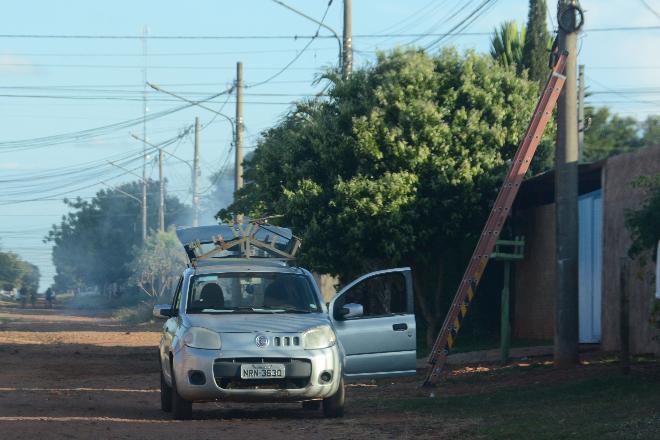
(176, 298)
(379, 295)
(251, 293)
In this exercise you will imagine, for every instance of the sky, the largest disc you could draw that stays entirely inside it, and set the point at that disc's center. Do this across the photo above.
(51, 85)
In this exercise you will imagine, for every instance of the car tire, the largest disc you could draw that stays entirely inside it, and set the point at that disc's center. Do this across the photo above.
(333, 406)
(181, 408)
(311, 405)
(165, 394)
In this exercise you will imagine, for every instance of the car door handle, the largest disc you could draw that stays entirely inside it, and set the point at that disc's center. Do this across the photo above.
(400, 327)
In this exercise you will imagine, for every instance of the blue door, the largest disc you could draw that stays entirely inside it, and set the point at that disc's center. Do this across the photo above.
(590, 256)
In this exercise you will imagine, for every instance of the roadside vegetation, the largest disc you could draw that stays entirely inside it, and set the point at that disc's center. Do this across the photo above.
(611, 406)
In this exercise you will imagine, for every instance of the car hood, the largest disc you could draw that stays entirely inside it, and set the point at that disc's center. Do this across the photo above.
(256, 322)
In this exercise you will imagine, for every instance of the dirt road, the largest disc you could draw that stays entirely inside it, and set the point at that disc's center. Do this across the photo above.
(76, 376)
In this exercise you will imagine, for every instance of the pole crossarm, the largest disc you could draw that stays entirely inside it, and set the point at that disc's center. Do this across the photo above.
(196, 103)
(161, 147)
(498, 215)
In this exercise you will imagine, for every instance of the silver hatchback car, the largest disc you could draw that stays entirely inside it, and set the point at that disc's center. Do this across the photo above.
(245, 326)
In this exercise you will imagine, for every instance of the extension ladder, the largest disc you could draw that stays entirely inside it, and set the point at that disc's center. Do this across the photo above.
(496, 219)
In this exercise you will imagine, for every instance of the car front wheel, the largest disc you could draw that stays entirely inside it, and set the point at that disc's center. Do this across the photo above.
(333, 406)
(181, 408)
(165, 394)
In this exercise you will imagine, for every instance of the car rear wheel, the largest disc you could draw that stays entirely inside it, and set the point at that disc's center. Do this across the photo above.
(165, 394)
(333, 406)
(181, 408)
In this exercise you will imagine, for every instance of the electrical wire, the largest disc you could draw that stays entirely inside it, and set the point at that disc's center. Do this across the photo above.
(294, 59)
(650, 9)
(28, 144)
(275, 37)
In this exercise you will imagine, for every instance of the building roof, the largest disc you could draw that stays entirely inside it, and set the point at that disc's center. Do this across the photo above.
(540, 189)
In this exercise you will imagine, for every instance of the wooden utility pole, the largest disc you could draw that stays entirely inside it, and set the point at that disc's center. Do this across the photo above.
(581, 123)
(347, 50)
(195, 177)
(161, 192)
(145, 33)
(566, 193)
(238, 160)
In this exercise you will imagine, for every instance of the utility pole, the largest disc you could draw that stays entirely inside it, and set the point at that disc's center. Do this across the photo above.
(581, 121)
(161, 192)
(570, 19)
(347, 51)
(145, 33)
(238, 160)
(195, 181)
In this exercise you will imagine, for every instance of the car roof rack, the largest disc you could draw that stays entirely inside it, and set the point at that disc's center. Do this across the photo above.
(255, 239)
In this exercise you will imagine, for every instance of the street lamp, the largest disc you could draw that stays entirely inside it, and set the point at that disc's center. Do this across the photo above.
(320, 23)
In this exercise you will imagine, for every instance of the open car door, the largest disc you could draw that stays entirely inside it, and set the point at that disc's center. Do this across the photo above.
(375, 322)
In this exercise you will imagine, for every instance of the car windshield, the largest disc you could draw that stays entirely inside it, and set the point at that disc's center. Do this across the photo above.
(252, 293)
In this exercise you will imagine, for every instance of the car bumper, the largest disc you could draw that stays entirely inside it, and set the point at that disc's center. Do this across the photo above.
(221, 382)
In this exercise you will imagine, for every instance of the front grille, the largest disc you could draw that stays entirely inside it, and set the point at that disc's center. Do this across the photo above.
(228, 375)
(286, 341)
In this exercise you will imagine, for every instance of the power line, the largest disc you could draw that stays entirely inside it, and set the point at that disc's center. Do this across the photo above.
(464, 23)
(288, 37)
(24, 144)
(650, 9)
(172, 67)
(294, 59)
(119, 98)
(160, 54)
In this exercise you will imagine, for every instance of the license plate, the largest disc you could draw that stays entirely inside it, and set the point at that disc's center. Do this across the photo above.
(262, 371)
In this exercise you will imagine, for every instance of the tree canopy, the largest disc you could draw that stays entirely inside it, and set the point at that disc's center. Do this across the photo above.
(608, 133)
(17, 273)
(158, 263)
(398, 167)
(644, 221)
(536, 42)
(506, 45)
(94, 244)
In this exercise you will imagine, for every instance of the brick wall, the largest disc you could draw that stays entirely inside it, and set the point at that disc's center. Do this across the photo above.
(534, 278)
(617, 197)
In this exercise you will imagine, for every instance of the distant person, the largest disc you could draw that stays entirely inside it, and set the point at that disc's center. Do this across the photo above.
(33, 298)
(50, 296)
(22, 296)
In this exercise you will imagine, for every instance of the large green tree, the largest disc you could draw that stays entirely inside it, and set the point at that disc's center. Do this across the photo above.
(608, 134)
(397, 167)
(11, 270)
(535, 50)
(30, 276)
(94, 244)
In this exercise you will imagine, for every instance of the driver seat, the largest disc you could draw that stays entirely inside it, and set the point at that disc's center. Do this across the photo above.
(211, 296)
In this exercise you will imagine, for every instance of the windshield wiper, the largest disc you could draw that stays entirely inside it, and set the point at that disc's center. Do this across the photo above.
(248, 310)
(290, 310)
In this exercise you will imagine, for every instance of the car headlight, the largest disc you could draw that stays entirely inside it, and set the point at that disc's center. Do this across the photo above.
(319, 337)
(198, 337)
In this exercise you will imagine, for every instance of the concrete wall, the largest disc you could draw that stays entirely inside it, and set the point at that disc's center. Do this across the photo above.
(617, 197)
(534, 277)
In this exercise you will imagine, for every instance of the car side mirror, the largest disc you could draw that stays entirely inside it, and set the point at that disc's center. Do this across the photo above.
(164, 311)
(350, 310)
